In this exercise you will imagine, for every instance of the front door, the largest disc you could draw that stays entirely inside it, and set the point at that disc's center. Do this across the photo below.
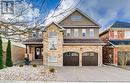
(38, 52)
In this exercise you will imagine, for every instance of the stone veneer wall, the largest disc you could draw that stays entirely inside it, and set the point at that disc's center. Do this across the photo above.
(59, 52)
(82, 49)
(64, 48)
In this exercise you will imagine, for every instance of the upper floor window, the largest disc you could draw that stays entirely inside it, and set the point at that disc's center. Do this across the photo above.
(127, 34)
(76, 18)
(68, 32)
(91, 32)
(34, 34)
(83, 32)
(40, 34)
(52, 41)
(115, 34)
(76, 32)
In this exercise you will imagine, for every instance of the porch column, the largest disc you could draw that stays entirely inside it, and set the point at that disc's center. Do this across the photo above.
(26, 49)
(30, 54)
(30, 49)
(115, 57)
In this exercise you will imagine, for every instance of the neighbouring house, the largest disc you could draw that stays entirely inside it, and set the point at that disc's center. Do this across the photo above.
(17, 49)
(117, 39)
(72, 41)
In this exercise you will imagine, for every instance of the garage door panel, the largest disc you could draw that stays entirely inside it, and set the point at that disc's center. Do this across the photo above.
(71, 59)
(89, 59)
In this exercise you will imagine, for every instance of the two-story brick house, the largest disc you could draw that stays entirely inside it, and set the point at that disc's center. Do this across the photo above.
(72, 41)
(117, 39)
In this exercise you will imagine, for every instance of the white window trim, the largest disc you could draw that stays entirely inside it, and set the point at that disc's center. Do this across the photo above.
(50, 43)
(91, 35)
(115, 34)
(40, 34)
(51, 59)
(76, 31)
(84, 32)
(68, 31)
(127, 35)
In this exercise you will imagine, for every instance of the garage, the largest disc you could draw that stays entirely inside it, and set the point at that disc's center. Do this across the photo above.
(90, 59)
(71, 59)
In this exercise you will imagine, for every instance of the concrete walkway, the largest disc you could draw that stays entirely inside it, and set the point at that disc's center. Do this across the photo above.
(92, 73)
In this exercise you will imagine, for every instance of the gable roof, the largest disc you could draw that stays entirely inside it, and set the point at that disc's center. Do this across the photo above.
(84, 14)
(61, 28)
(119, 42)
(119, 24)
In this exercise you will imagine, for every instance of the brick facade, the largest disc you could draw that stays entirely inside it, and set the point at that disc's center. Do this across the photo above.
(109, 49)
(120, 34)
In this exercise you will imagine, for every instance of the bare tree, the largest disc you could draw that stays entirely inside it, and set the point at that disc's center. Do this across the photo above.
(22, 22)
(123, 56)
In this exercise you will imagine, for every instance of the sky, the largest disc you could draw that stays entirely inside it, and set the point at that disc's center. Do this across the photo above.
(105, 12)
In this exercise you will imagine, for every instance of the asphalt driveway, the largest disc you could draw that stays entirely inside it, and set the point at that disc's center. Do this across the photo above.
(92, 73)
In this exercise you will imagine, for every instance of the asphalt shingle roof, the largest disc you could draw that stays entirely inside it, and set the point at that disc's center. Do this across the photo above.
(83, 41)
(120, 42)
(119, 24)
(33, 41)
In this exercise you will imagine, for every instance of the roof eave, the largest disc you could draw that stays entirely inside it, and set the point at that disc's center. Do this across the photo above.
(61, 28)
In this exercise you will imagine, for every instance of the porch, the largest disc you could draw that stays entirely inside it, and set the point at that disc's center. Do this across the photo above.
(34, 49)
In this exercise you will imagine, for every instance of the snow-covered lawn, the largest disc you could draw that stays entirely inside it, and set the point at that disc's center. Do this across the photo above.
(26, 73)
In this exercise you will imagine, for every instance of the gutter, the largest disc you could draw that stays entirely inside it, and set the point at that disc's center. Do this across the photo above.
(82, 44)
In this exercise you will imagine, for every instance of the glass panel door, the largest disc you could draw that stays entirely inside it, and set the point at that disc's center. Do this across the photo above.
(38, 53)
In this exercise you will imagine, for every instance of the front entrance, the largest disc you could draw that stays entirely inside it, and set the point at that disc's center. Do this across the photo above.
(71, 59)
(38, 52)
(90, 59)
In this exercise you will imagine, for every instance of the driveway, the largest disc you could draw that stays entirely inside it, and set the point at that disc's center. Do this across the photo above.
(92, 73)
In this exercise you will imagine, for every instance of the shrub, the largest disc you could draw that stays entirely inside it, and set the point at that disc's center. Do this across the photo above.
(27, 61)
(52, 70)
(1, 55)
(1, 66)
(9, 62)
(21, 65)
(34, 65)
